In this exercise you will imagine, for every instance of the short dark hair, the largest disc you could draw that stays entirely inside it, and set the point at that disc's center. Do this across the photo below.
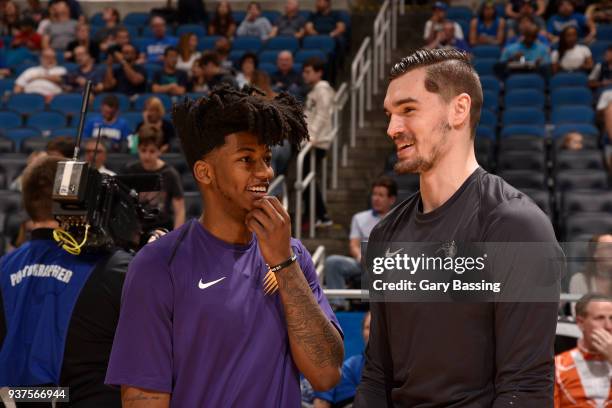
(584, 302)
(254, 3)
(316, 63)
(210, 57)
(149, 134)
(448, 73)
(202, 124)
(388, 183)
(37, 187)
(115, 14)
(249, 55)
(111, 101)
(170, 49)
(62, 144)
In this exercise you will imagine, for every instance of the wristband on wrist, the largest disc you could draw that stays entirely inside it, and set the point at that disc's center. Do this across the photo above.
(284, 265)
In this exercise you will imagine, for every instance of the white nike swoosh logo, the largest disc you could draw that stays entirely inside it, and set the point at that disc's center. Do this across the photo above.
(390, 254)
(203, 285)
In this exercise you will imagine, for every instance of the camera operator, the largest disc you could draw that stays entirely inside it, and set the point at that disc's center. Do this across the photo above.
(127, 78)
(61, 309)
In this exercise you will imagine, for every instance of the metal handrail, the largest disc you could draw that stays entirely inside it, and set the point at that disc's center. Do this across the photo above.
(361, 87)
(382, 42)
(340, 100)
(318, 259)
(301, 183)
(281, 181)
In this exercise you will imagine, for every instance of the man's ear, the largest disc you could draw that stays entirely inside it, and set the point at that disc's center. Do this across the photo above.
(460, 111)
(203, 172)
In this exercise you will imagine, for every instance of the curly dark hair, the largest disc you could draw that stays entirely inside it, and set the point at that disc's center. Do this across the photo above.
(202, 124)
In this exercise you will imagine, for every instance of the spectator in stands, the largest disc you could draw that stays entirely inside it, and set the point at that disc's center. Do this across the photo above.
(582, 374)
(254, 24)
(82, 38)
(447, 38)
(34, 11)
(325, 21)
(127, 78)
(291, 23)
(514, 8)
(112, 21)
(198, 80)
(435, 24)
(188, 52)
(571, 56)
(76, 80)
(213, 73)
(318, 111)
(170, 80)
(601, 79)
(155, 48)
(286, 78)
(338, 268)
(526, 9)
(248, 66)
(45, 79)
(573, 141)
(223, 48)
(9, 25)
(600, 12)
(488, 28)
(191, 12)
(261, 81)
(61, 30)
(169, 202)
(62, 146)
(529, 53)
(597, 275)
(153, 116)
(27, 36)
(74, 7)
(223, 22)
(343, 394)
(567, 17)
(99, 154)
(109, 125)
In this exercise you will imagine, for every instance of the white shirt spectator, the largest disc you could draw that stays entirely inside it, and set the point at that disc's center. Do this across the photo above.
(318, 113)
(40, 86)
(429, 25)
(186, 65)
(363, 223)
(573, 58)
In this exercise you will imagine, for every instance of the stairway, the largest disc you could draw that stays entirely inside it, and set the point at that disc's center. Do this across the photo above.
(366, 160)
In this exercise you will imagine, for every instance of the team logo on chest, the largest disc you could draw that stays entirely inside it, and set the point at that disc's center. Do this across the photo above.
(270, 284)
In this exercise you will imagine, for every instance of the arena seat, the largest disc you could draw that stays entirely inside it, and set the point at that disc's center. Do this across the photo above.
(136, 19)
(282, 43)
(568, 79)
(303, 55)
(571, 96)
(10, 120)
(523, 116)
(598, 49)
(586, 201)
(485, 132)
(124, 102)
(68, 131)
(579, 160)
(521, 179)
(6, 86)
(588, 130)
(490, 100)
(207, 42)
(581, 179)
(525, 81)
(176, 160)
(17, 135)
(523, 98)
(133, 119)
(521, 160)
(486, 51)
(540, 197)
(33, 144)
(604, 32)
(590, 223)
(319, 42)
(67, 103)
(235, 56)
(484, 151)
(522, 143)
(490, 83)
(238, 15)
(351, 326)
(268, 68)
(46, 121)
(488, 118)
(6, 145)
(26, 103)
(485, 66)
(271, 15)
(523, 130)
(197, 29)
(573, 114)
(252, 44)
(268, 56)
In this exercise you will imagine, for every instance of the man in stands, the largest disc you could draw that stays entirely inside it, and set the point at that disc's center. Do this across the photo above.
(528, 53)
(435, 24)
(155, 48)
(254, 24)
(456, 349)
(339, 268)
(343, 394)
(108, 124)
(291, 23)
(325, 21)
(213, 73)
(447, 38)
(286, 78)
(61, 30)
(127, 78)
(45, 79)
(170, 80)
(112, 21)
(567, 17)
(583, 374)
(85, 71)
(99, 153)
(601, 79)
(525, 8)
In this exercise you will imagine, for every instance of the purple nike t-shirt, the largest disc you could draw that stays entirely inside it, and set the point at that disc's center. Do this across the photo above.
(195, 322)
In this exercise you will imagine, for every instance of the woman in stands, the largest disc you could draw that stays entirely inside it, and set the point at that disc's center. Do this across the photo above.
(188, 52)
(248, 67)
(488, 28)
(223, 22)
(83, 39)
(571, 56)
(153, 115)
(597, 275)
(10, 19)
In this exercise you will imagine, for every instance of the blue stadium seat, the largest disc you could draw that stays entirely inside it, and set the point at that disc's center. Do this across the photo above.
(18, 70)
(18, 135)
(124, 102)
(26, 103)
(588, 130)
(303, 55)
(306, 14)
(465, 27)
(69, 131)
(565, 79)
(19, 56)
(598, 49)
(268, 68)
(571, 96)
(271, 15)
(459, 13)
(140, 100)
(525, 81)
(46, 121)
(573, 114)
(207, 42)
(268, 56)
(140, 43)
(488, 118)
(6, 86)
(491, 100)
(252, 44)
(196, 29)
(353, 339)
(485, 66)
(151, 68)
(604, 32)
(235, 56)
(136, 19)
(133, 119)
(147, 32)
(9, 120)
(524, 98)
(522, 179)
(282, 43)
(523, 130)
(69, 103)
(97, 19)
(319, 42)
(238, 16)
(523, 116)
(485, 132)
(486, 51)
(6, 146)
(490, 83)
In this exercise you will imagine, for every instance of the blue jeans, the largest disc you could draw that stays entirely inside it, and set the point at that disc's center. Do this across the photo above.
(338, 269)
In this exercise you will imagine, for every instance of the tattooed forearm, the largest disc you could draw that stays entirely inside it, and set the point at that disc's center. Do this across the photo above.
(132, 397)
(306, 323)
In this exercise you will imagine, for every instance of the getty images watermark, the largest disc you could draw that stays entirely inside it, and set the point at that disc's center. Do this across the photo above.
(454, 271)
